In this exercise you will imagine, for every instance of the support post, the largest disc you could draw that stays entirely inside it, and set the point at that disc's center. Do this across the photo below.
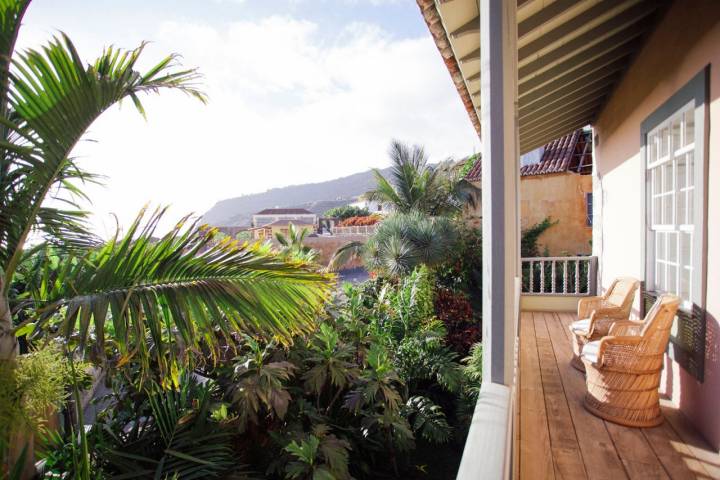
(500, 180)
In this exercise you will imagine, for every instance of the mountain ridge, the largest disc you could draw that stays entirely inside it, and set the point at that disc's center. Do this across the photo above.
(317, 197)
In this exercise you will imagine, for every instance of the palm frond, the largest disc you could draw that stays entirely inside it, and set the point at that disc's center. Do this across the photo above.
(177, 441)
(427, 419)
(344, 255)
(53, 98)
(11, 14)
(183, 290)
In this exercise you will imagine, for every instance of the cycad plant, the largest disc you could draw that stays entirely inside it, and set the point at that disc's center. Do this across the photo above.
(402, 242)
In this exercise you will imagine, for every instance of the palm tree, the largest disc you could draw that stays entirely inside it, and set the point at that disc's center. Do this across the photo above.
(163, 298)
(415, 185)
(293, 247)
(402, 242)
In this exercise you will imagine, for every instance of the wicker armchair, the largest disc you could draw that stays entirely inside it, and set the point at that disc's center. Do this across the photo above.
(597, 314)
(623, 369)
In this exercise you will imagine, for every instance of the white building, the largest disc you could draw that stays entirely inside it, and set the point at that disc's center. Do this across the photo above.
(296, 215)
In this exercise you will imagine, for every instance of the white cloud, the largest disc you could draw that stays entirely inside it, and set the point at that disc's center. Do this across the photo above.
(287, 106)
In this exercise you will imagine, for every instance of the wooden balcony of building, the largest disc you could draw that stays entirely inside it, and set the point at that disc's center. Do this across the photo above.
(558, 438)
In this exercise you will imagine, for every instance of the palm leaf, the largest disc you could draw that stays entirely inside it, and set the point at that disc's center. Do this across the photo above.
(53, 98)
(344, 255)
(183, 290)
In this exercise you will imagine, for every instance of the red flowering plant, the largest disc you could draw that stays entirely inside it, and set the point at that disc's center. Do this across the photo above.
(455, 311)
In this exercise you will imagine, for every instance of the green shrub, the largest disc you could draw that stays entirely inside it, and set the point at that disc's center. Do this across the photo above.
(347, 211)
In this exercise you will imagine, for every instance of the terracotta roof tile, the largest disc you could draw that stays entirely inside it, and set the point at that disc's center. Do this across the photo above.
(284, 211)
(561, 155)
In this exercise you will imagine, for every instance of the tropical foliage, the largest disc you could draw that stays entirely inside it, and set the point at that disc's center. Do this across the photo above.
(217, 354)
(416, 185)
(153, 301)
(292, 245)
(402, 242)
(360, 221)
(347, 211)
(359, 397)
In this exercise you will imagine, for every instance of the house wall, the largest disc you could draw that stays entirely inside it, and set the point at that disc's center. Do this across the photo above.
(561, 197)
(558, 196)
(686, 40)
(260, 220)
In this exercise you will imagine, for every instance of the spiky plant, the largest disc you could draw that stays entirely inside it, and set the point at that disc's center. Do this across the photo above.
(402, 242)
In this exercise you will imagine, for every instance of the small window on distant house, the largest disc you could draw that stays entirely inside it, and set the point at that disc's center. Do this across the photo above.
(379, 207)
(589, 209)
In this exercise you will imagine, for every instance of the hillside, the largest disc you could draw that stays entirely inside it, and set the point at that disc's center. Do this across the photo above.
(316, 197)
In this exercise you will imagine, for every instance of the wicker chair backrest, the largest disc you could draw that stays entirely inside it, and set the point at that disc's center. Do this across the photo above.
(622, 293)
(661, 316)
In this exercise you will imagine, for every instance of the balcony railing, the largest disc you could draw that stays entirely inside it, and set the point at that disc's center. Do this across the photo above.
(559, 276)
(355, 230)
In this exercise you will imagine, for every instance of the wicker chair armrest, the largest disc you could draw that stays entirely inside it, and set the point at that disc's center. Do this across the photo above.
(600, 324)
(625, 328)
(587, 304)
(611, 311)
(616, 350)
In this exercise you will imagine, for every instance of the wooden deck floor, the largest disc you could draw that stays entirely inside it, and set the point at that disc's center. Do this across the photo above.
(558, 438)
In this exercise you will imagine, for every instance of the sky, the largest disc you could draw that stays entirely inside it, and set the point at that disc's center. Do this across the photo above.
(299, 91)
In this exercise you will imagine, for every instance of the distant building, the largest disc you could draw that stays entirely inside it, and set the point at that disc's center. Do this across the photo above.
(270, 221)
(372, 206)
(555, 182)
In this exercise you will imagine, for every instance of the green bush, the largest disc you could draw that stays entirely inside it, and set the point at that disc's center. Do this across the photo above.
(360, 397)
(347, 211)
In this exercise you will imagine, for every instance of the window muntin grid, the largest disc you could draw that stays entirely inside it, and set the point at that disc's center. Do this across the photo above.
(670, 175)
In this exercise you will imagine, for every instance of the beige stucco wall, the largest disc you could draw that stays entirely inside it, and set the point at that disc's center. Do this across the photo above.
(686, 40)
(562, 198)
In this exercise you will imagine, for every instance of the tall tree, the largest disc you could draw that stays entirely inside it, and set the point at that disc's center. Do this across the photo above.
(416, 185)
(163, 296)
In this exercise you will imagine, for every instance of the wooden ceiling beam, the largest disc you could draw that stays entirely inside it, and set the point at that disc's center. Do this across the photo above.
(570, 81)
(615, 29)
(469, 28)
(579, 90)
(588, 61)
(474, 55)
(544, 15)
(567, 109)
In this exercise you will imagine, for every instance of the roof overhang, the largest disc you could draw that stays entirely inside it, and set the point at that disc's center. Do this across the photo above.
(571, 54)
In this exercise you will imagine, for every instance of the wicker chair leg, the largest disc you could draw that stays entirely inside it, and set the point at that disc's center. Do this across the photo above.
(577, 364)
(578, 344)
(629, 399)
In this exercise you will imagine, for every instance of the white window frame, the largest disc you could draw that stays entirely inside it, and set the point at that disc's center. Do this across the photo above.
(692, 99)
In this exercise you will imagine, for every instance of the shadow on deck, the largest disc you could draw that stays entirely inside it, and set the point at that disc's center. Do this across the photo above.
(558, 438)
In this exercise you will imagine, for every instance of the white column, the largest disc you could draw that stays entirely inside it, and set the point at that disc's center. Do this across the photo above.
(500, 181)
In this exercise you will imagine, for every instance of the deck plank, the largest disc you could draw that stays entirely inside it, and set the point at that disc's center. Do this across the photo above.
(554, 423)
(598, 451)
(639, 459)
(692, 440)
(674, 455)
(534, 435)
(563, 440)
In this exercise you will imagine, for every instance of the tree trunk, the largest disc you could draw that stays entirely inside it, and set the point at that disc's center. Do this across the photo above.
(8, 342)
